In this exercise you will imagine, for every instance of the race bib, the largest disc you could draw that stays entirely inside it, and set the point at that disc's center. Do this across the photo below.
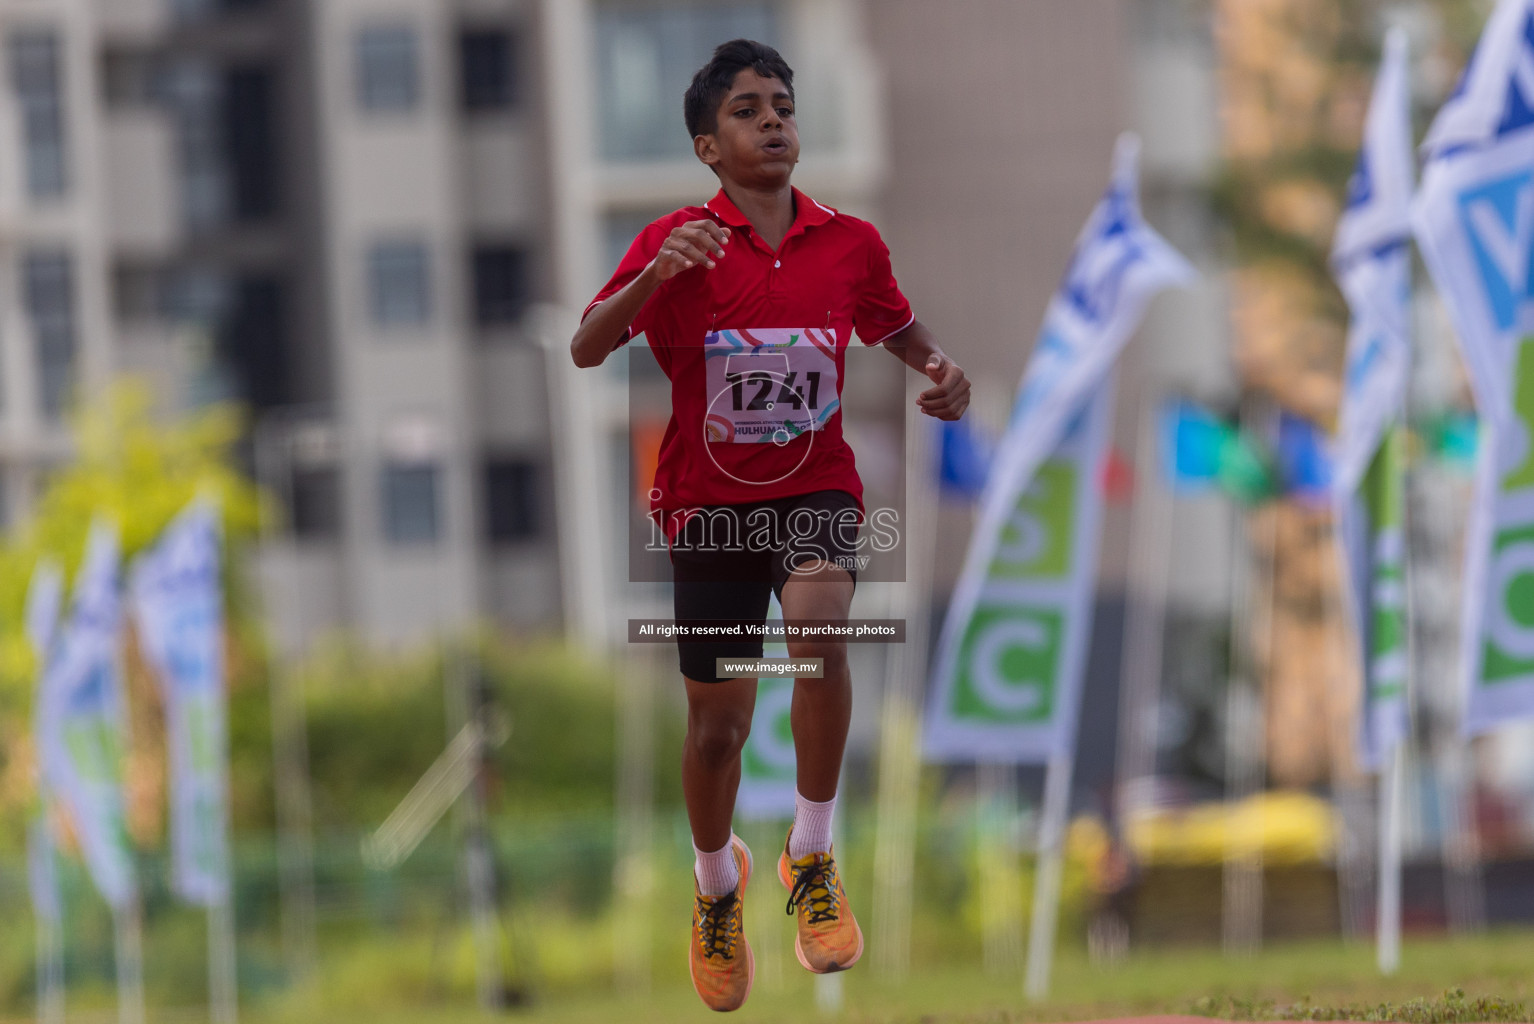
(768, 385)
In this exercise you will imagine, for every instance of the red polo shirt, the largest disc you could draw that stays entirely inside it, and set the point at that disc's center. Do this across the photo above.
(829, 278)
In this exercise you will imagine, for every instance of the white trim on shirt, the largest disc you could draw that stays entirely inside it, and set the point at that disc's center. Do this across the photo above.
(896, 331)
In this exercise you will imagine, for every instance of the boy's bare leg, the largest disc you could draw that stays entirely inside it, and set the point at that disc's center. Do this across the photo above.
(718, 721)
(828, 937)
(822, 708)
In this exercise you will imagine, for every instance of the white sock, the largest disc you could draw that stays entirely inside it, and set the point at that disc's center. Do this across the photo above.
(812, 827)
(717, 872)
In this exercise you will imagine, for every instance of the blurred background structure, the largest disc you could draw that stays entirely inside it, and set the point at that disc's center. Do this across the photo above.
(341, 213)
(373, 224)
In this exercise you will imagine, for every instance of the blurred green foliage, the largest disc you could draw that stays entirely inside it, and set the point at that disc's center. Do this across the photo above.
(377, 720)
(133, 469)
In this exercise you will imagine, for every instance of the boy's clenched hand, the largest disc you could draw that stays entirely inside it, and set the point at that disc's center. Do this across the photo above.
(696, 242)
(950, 397)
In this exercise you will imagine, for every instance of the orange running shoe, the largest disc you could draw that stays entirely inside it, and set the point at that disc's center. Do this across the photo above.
(721, 963)
(829, 938)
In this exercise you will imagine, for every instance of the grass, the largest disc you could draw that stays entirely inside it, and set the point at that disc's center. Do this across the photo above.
(425, 976)
(1453, 1007)
(1441, 981)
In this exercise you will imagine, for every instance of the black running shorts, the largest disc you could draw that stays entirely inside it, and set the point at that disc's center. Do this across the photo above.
(727, 558)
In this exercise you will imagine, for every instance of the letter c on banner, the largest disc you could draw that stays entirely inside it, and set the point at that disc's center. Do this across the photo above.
(1514, 637)
(772, 706)
(1008, 696)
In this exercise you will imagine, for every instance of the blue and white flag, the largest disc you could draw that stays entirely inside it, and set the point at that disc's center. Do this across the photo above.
(1474, 222)
(80, 719)
(1371, 257)
(178, 607)
(1012, 651)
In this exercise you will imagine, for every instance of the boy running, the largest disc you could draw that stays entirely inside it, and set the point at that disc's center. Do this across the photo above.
(749, 303)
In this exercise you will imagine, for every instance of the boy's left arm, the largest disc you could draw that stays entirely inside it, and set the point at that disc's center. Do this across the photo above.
(917, 347)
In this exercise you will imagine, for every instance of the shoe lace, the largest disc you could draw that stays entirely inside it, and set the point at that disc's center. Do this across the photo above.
(814, 888)
(716, 920)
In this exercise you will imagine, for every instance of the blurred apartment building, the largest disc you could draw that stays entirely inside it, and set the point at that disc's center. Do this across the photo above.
(331, 211)
(375, 221)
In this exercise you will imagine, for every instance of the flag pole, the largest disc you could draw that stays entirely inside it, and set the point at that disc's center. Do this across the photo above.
(1392, 781)
(1245, 743)
(1388, 927)
(290, 744)
(1047, 877)
(50, 971)
(1001, 922)
(1144, 625)
(900, 756)
(223, 997)
(128, 926)
(467, 707)
(50, 934)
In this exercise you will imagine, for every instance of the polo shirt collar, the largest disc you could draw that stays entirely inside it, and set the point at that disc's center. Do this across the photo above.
(807, 212)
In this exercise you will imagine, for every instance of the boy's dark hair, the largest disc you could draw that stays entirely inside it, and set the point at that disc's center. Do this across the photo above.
(700, 107)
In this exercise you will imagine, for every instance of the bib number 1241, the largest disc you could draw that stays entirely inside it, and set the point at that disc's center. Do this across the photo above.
(768, 384)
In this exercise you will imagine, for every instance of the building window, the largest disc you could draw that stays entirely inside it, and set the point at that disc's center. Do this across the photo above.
(250, 142)
(253, 340)
(204, 10)
(48, 290)
(410, 503)
(488, 67)
(36, 78)
(399, 284)
(316, 502)
(387, 71)
(194, 93)
(511, 501)
(501, 291)
(645, 58)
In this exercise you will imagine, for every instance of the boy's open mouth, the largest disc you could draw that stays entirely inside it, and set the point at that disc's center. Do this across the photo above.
(776, 145)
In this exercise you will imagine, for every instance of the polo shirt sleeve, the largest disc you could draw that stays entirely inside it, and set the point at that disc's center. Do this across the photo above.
(640, 253)
(882, 310)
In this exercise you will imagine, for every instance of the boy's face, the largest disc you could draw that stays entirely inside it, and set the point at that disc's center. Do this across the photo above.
(756, 142)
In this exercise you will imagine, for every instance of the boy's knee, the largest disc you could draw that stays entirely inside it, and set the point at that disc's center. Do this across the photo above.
(718, 739)
(832, 653)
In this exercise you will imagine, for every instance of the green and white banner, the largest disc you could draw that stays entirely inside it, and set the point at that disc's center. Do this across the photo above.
(768, 769)
(1374, 542)
(1009, 685)
(1474, 222)
(1012, 649)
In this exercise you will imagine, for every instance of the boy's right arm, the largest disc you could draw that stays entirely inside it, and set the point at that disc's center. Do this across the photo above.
(693, 243)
